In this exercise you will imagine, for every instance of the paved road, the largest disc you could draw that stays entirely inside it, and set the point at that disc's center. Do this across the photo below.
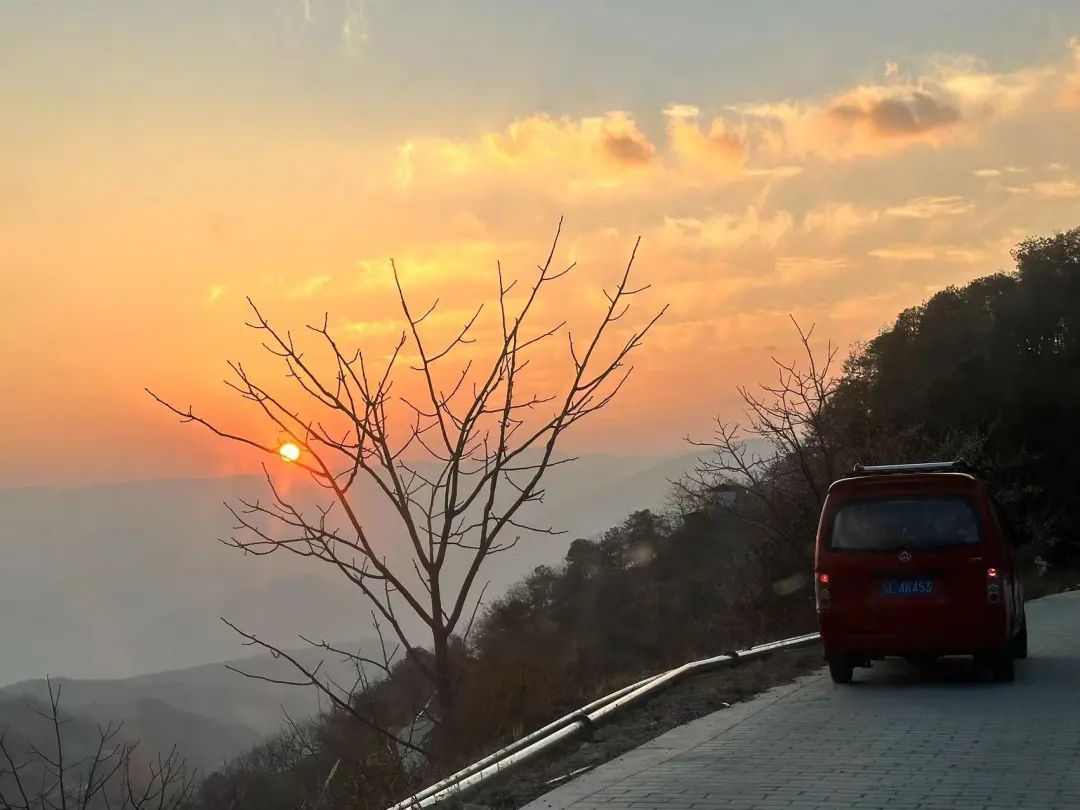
(898, 738)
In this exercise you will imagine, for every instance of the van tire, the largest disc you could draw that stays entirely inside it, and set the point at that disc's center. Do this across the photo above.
(841, 669)
(1020, 642)
(1003, 666)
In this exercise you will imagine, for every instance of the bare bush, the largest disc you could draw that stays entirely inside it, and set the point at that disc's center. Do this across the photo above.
(108, 777)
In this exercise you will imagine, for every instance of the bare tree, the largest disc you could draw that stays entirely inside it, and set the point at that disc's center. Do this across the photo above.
(108, 778)
(456, 473)
(786, 480)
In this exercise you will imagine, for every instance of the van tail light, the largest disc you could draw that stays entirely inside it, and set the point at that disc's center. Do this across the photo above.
(822, 592)
(993, 586)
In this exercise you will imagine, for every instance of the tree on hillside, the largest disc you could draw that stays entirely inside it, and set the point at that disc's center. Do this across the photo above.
(457, 471)
(786, 483)
(987, 371)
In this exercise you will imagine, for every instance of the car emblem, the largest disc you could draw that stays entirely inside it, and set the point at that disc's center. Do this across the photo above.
(905, 556)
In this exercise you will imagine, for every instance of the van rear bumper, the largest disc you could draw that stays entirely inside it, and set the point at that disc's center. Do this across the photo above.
(942, 642)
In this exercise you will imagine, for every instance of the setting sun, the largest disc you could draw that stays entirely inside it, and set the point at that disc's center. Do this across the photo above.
(289, 452)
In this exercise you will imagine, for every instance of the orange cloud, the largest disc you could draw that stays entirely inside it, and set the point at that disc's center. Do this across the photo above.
(908, 114)
(309, 287)
(728, 231)
(215, 293)
(838, 220)
(868, 120)
(905, 253)
(876, 119)
(969, 255)
(931, 207)
(719, 149)
(612, 138)
(603, 148)
(1048, 189)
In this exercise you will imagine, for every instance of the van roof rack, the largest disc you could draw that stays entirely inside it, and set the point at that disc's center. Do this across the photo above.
(924, 467)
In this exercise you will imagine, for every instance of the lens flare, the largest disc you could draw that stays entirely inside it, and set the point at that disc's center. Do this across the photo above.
(289, 452)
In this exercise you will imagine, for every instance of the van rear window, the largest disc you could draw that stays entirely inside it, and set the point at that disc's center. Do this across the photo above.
(891, 524)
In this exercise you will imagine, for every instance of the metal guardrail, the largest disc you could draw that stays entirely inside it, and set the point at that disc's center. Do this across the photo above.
(568, 726)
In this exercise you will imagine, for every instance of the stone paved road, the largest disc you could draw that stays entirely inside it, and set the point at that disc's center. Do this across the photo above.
(898, 738)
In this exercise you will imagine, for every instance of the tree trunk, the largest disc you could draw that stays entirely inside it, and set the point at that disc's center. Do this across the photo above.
(444, 682)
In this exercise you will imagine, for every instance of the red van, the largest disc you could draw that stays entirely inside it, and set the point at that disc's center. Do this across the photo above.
(916, 560)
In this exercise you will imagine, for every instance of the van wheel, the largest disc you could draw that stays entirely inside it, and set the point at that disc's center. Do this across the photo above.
(1003, 666)
(840, 669)
(1020, 647)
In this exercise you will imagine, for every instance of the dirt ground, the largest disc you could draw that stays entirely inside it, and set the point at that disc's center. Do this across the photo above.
(685, 701)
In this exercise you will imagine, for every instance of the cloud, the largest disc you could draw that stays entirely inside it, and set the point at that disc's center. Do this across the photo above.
(309, 287)
(403, 172)
(609, 142)
(1057, 189)
(981, 94)
(215, 293)
(1048, 189)
(908, 114)
(601, 148)
(728, 231)
(838, 220)
(953, 101)
(921, 252)
(628, 148)
(813, 269)
(942, 107)
(720, 149)
(869, 120)
(969, 255)
(778, 172)
(906, 253)
(374, 327)
(468, 263)
(931, 207)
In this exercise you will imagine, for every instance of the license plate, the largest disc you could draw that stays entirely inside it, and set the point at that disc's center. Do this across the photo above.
(907, 587)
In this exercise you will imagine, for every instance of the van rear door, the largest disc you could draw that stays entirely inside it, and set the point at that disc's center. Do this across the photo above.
(906, 564)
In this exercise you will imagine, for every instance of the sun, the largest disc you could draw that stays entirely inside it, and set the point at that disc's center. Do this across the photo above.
(289, 452)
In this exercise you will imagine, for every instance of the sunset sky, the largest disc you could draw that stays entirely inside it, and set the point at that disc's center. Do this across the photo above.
(835, 161)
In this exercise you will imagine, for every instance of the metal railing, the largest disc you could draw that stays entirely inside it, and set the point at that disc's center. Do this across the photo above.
(566, 727)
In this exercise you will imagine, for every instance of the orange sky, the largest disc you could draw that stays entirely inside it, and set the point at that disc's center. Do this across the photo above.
(134, 220)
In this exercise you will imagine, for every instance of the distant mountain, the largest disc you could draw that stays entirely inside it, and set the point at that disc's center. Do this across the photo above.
(210, 712)
(109, 581)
